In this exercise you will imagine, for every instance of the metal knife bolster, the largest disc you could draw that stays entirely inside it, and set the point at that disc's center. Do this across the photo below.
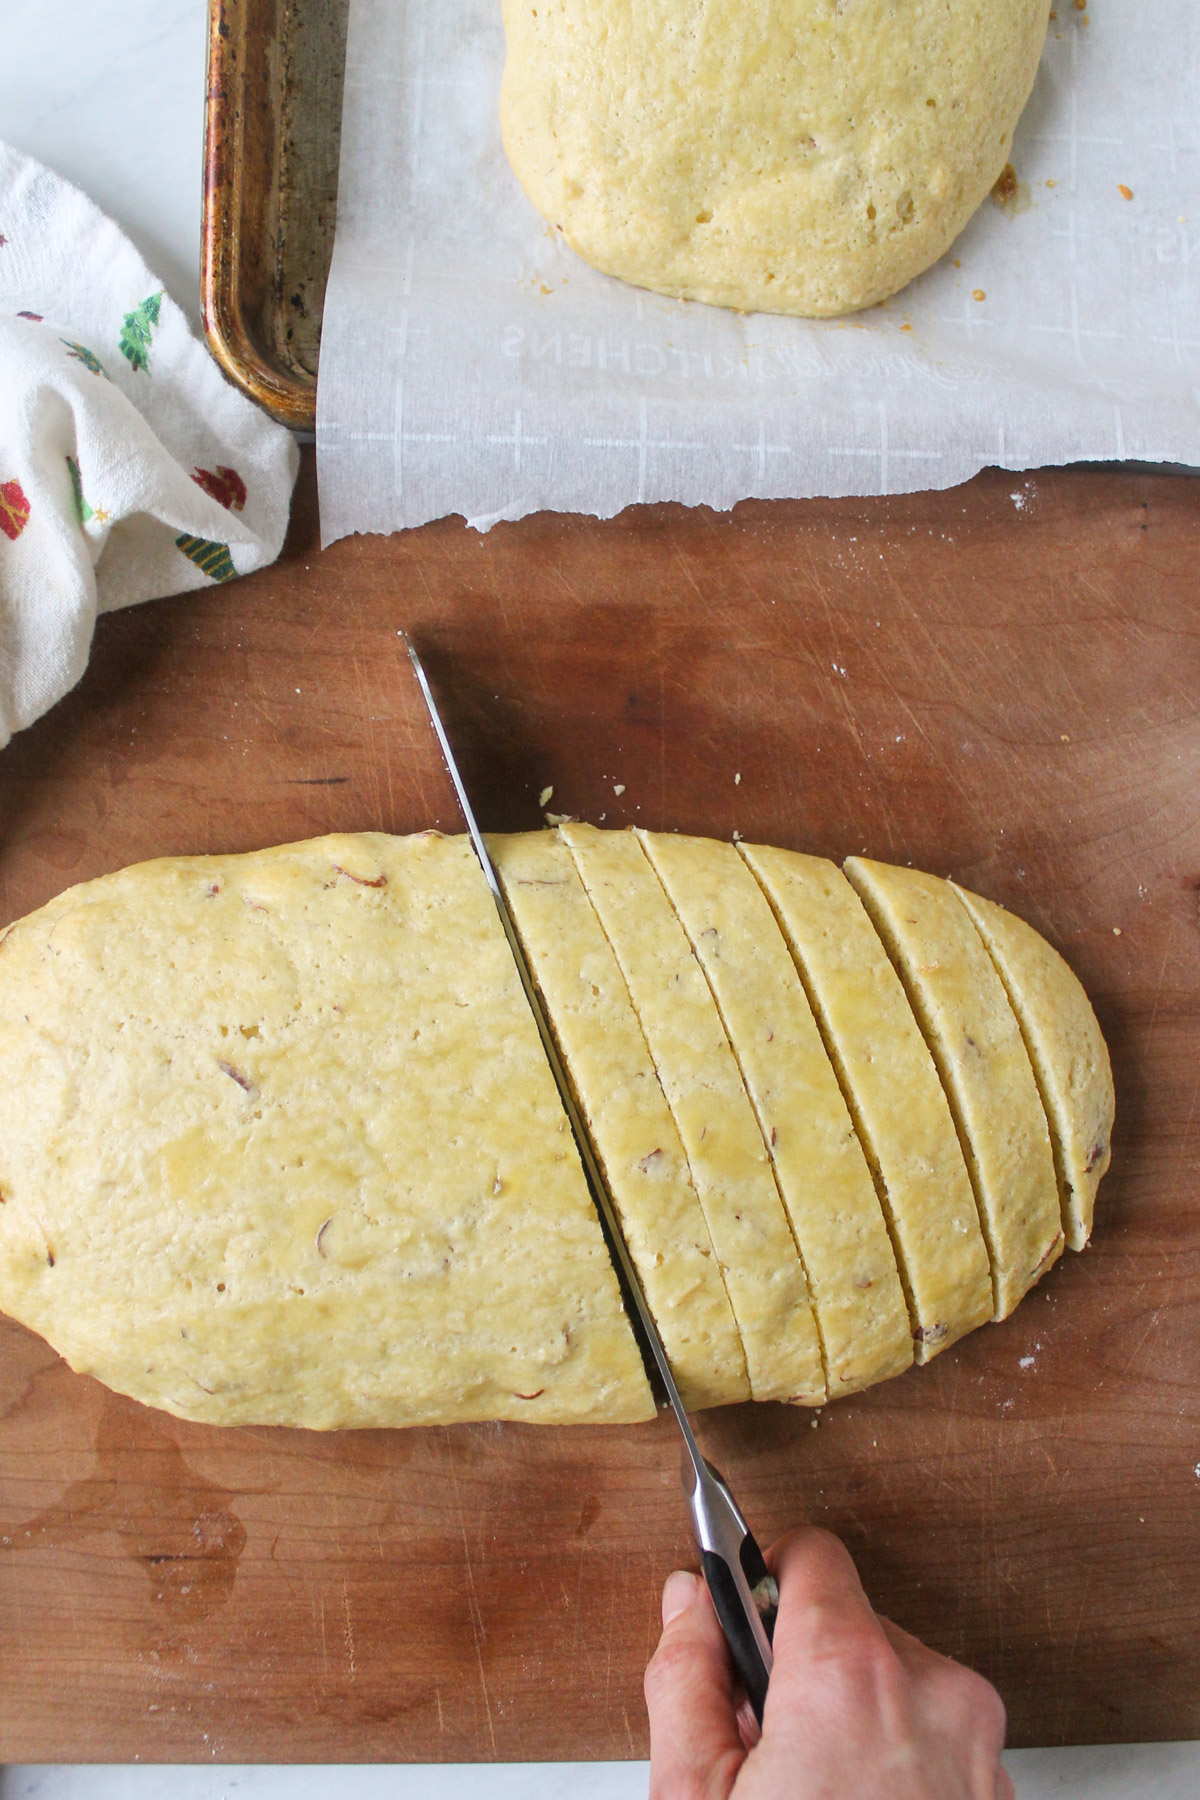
(743, 1590)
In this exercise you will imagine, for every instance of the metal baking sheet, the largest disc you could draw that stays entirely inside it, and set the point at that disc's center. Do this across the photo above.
(274, 108)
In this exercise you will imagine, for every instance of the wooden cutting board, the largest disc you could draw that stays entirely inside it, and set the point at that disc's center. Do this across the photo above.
(1000, 683)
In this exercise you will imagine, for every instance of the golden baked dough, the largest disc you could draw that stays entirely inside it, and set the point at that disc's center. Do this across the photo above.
(626, 1114)
(972, 1031)
(285, 1148)
(1069, 1056)
(895, 1096)
(279, 1143)
(790, 156)
(822, 1172)
(700, 1077)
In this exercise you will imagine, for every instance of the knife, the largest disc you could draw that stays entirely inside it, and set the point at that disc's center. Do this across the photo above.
(744, 1592)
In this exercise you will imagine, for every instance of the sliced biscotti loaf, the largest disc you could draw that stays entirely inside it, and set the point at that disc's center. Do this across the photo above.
(1068, 1053)
(625, 1111)
(703, 1084)
(972, 1032)
(819, 1163)
(279, 1142)
(893, 1091)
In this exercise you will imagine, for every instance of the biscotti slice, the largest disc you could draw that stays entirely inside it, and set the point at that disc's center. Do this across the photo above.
(819, 1163)
(970, 1027)
(626, 1115)
(893, 1091)
(1069, 1056)
(285, 1148)
(704, 1088)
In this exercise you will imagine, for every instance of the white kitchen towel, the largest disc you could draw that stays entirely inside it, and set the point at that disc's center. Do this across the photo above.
(129, 467)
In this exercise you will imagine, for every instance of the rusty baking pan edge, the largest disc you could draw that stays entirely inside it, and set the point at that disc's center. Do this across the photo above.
(272, 130)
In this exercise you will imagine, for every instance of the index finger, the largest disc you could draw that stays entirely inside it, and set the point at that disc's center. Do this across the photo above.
(823, 1608)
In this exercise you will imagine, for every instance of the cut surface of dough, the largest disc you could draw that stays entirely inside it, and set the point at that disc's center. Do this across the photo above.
(972, 1031)
(823, 1175)
(893, 1091)
(1069, 1055)
(286, 1148)
(790, 156)
(704, 1088)
(626, 1114)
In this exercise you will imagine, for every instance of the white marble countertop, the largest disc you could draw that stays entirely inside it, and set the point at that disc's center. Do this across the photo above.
(111, 94)
(1125, 1772)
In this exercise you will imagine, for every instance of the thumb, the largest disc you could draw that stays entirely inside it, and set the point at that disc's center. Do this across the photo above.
(696, 1748)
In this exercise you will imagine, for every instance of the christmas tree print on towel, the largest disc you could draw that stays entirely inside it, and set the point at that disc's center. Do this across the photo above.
(137, 331)
(14, 510)
(83, 512)
(223, 485)
(88, 358)
(214, 559)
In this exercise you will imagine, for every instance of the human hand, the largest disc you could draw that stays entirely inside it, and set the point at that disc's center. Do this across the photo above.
(856, 1710)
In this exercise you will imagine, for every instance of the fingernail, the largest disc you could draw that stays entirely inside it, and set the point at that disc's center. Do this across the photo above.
(680, 1590)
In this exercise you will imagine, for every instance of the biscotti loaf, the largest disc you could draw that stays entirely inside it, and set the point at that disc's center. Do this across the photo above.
(279, 1143)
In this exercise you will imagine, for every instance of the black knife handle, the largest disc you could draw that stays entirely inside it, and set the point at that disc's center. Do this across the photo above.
(735, 1623)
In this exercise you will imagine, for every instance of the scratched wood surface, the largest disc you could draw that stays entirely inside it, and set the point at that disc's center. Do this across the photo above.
(1002, 683)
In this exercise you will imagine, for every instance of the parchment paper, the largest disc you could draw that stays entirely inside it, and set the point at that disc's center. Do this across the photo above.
(472, 364)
